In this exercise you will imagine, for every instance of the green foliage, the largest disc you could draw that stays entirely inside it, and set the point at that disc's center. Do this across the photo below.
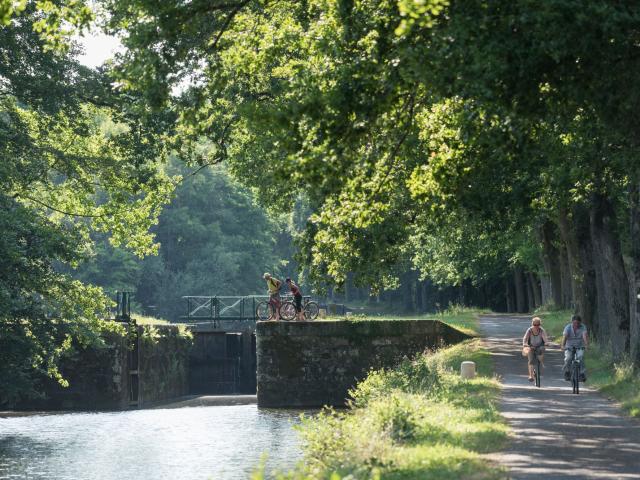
(75, 161)
(41, 311)
(214, 240)
(428, 134)
(341, 101)
(619, 380)
(56, 20)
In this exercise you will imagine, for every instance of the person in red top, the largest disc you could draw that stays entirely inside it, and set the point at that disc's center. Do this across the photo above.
(297, 298)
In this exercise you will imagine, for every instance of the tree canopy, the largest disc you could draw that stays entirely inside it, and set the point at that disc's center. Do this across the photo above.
(447, 134)
(76, 160)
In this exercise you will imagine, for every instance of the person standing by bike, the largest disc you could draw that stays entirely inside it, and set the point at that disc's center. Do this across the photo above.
(274, 285)
(297, 298)
(574, 335)
(535, 338)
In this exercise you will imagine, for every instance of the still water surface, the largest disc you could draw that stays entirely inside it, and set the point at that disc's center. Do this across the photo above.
(213, 442)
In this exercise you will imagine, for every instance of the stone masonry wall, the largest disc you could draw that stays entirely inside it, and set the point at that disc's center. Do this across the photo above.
(99, 377)
(311, 364)
(163, 363)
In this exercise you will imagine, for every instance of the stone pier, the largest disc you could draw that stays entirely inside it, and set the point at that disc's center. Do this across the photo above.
(311, 364)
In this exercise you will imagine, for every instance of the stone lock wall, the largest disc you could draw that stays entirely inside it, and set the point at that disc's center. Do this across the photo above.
(113, 377)
(163, 363)
(311, 364)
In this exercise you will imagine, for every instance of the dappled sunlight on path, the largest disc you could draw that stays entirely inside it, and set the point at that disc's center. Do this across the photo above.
(554, 432)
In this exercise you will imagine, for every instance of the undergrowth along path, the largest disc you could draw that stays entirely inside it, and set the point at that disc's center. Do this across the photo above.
(556, 434)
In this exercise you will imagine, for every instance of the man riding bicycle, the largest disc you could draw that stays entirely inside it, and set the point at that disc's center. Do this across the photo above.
(574, 336)
(273, 284)
(534, 340)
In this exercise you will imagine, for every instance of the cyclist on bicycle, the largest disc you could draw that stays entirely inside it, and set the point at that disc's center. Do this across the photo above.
(574, 335)
(297, 298)
(274, 285)
(534, 340)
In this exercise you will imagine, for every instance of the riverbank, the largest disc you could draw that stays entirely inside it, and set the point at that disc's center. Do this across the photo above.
(418, 420)
(181, 402)
(616, 380)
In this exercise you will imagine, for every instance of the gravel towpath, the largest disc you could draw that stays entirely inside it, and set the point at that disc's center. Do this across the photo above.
(556, 434)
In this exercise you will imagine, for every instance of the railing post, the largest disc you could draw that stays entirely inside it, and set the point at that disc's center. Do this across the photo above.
(123, 307)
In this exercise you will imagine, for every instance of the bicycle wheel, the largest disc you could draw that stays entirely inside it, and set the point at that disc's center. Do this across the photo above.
(264, 311)
(575, 378)
(287, 311)
(311, 310)
(537, 372)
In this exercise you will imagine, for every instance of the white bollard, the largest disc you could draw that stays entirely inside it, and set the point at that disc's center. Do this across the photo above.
(468, 369)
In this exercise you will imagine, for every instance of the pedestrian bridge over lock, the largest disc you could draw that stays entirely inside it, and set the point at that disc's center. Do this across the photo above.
(219, 309)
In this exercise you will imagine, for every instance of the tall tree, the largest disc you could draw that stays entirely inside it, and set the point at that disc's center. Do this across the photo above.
(75, 160)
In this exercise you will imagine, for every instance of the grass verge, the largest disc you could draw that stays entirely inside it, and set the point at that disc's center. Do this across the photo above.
(617, 380)
(463, 318)
(146, 320)
(418, 420)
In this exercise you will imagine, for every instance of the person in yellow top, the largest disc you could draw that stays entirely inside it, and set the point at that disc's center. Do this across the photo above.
(273, 284)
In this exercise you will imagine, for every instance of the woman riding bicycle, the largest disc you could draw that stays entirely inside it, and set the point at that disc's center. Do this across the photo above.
(534, 340)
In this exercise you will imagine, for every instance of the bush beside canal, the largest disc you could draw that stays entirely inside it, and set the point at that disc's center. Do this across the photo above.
(419, 420)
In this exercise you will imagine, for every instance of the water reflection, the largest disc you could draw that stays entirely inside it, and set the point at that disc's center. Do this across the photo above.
(220, 442)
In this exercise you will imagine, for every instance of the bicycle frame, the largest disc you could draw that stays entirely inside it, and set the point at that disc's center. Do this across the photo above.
(536, 366)
(576, 364)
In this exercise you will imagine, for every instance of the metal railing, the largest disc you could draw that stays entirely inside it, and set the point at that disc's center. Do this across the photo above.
(219, 307)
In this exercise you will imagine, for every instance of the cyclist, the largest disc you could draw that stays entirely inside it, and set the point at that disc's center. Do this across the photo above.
(535, 339)
(274, 285)
(297, 298)
(574, 335)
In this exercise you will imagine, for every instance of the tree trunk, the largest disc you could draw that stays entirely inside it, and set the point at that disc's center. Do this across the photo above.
(546, 290)
(521, 295)
(552, 264)
(509, 295)
(535, 289)
(614, 301)
(634, 274)
(589, 292)
(531, 303)
(575, 232)
(565, 279)
(574, 271)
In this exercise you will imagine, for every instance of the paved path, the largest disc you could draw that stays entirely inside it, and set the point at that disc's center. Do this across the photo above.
(556, 434)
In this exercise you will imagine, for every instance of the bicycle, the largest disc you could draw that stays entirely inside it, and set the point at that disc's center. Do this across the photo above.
(266, 310)
(309, 308)
(537, 367)
(576, 364)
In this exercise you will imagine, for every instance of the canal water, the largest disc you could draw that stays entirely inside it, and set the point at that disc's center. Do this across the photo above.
(212, 442)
